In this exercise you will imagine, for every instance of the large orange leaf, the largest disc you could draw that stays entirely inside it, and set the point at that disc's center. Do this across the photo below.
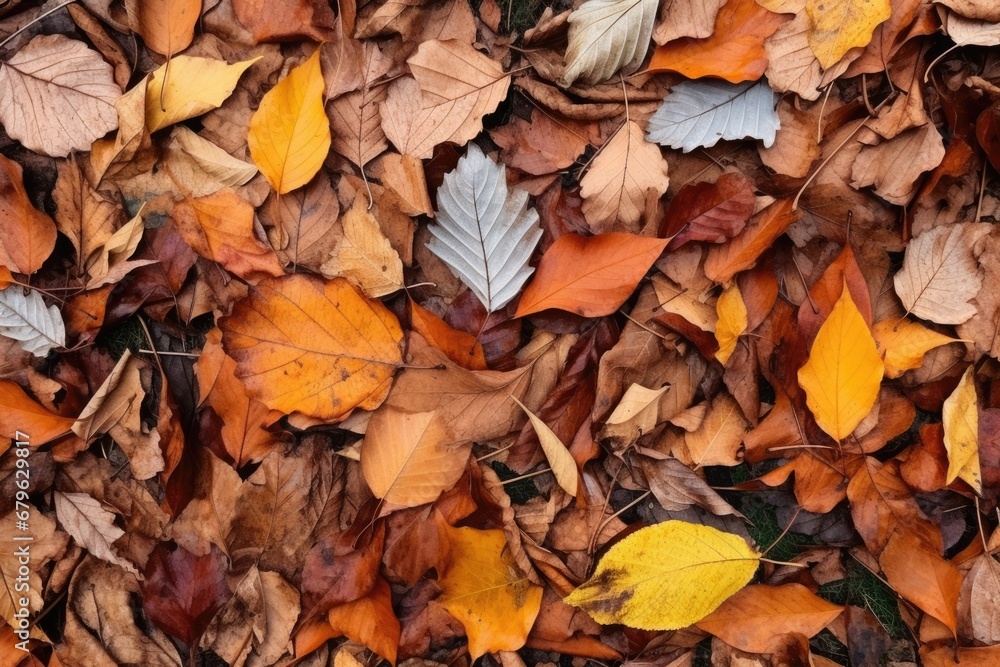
(735, 50)
(315, 347)
(370, 621)
(290, 132)
(844, 371)
(757, 615)
(917, 571)
(27, 236)
(741, 252)
(167, 26)
(19, 412)
(485, 590)
(590, 275)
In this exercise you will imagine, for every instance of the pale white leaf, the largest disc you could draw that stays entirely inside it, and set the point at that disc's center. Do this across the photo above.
(605, 36)
(92, 526)
(940, 274)
(25, 318)
(485, 232)
(697, 114)
(57, 96)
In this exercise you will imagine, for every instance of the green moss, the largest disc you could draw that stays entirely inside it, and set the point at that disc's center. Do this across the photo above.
(126, 336)
(519, 15)
(765, 529)
(862, 588)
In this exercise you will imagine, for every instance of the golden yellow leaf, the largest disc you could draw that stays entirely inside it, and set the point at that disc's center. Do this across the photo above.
(560, 460)
(666, 576)
(306, 345)
(194, 86)
(484, 589)
(409, 458)
(903, 344)
(840, 25)
(364, 255)
(290, 133)
(732, 322)
(843, 374)
(961, 433)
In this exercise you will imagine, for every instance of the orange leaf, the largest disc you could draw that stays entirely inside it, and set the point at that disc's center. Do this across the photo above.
(167, 26)
(315, 347)
(950, 656)
(462, 348)
(590, 276)
(741, 252)
(917, 572)
(484, 589)
(734, 52)
(757, 615)
(19, 412)
(27, 236)
(370, 621)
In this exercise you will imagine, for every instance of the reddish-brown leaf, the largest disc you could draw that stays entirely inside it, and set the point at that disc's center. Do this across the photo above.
(713, 212)
(27, 236)
(741, 252)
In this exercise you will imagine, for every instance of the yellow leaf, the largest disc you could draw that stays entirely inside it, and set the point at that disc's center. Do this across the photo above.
(840, 25)
(843, 374)
(732, 322)
(290, 133)
(961, 433)
(560, 460)
(194, 86)
(666, 576)
(903, 344)
(485, 591)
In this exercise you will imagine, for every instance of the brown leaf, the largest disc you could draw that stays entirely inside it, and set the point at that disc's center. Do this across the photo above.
(300, 223)
(27, 236)
(543, 143)
(684, 19)
(713, 212)
(916, 570)
(725, 261)
(355, 118)
(364, 255)
(283, 20)
(893, 166)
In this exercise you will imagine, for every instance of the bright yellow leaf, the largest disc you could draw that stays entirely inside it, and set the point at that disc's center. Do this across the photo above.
(843, 374)
(961, 433)
(194, 86)
(732, 322)
(560, 460)
(290, 133)
(903, 344)
(666, 576)
(840, 25)
(484, 589)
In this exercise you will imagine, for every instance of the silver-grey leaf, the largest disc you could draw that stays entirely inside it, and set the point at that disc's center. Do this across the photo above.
(697, 114)
(605, 36)
(25, 318)
(485, 232)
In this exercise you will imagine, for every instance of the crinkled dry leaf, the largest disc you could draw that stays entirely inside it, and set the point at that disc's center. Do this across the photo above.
(364, 255)
(606, 36)
(25, 318)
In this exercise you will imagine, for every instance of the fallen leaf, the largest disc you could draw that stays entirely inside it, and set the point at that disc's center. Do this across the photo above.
(955, 656)
(280, 20)
(370, 621)
(364, 255)
(841, 25)
(202, 167)
(973, 9)
(86, 217)
(666, 576)
(319, 348)
(301, 223)
(757, 615)
(543, 143)
(409, 459)
(355, 118)
(25, 318)
(485, 232)
(186, 87)
(883, 505)
(792, 65)
(483, 589)
(844, 372)
(615, 187)
(57, 96)
(404, 175)
(732, 322)
(590, 275)
(894, 166)
(741, 252)
(734, 51)
(606, 36)
(713, 212)
(290, 133)
(462, 348)
(91, 526)
(560, 460)
(639, 407)
(47, 544)
(919, 574)
(697, 114)
(685, 19)
(903, 344)
(167, 26)
(983, 582)
(717, 440)
(961, 433)
(27, 236)
(19, 412)
(940, 274)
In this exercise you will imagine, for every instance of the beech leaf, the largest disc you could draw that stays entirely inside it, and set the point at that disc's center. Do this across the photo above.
(25, 318)
(666, 576)
(91, 526)
(485, 232)
(194, 86)
(697, 114)
(560, 460)
(961, 433)
(606, 36)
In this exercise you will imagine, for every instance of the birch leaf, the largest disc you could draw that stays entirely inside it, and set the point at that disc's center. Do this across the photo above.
(485, 232)
(560, 460)
(25, 318)
(940, 274)
(57, 96)
(666, 576)
(605, 36)
(700, 113)
(961, 433)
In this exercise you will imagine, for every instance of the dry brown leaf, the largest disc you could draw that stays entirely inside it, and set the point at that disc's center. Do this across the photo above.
(27, 236)
(614, 189)
(91, 526)
(686, 19)
(301, 223)
(894, 166)
(355, 118)
(364, 255)
(86, 217)
(719, 439)
(404, 175)
(792, 64)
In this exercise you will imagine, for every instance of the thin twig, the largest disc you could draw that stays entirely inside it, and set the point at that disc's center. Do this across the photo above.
(35, 20)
